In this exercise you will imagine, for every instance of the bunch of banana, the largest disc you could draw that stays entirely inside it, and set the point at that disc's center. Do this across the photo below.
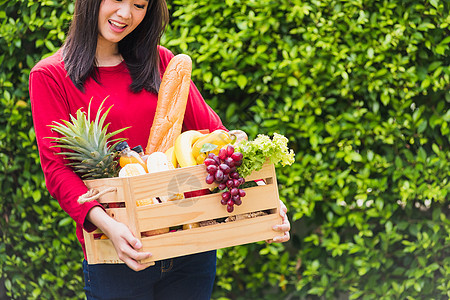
(189, 148)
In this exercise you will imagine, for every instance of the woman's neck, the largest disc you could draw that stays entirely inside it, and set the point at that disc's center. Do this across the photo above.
(107, 54)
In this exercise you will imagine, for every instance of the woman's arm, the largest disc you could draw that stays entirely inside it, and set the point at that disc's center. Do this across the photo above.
(49, 104)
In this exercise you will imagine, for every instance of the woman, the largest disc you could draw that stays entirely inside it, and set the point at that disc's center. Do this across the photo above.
(112, 52)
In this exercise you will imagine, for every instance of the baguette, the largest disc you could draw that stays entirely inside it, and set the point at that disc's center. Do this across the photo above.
(172, 100)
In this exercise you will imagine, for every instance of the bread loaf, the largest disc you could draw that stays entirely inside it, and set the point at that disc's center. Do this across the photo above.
(172, 100)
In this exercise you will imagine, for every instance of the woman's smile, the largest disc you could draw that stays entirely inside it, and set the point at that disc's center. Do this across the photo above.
(117, 26)
(116, 19)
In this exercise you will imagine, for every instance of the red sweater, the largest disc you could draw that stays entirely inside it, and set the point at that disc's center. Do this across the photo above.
(54, 97)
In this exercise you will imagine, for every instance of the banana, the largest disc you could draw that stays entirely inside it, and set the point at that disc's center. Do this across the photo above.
(170, 153)
(183, 152)
(183, 148)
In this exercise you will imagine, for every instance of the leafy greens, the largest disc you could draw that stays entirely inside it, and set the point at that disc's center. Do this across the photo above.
(262, 148)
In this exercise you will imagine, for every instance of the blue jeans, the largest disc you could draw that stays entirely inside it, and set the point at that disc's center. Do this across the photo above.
(186, 277)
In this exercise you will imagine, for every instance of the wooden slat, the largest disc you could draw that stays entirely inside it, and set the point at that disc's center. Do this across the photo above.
(211, 237)
(181, 180)
(130, 205)
(107, 253)
(197, 240)
(164, 183)
(203, 208)
(91, 247)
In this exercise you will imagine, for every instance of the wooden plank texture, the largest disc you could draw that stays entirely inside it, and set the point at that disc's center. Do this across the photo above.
(197, 240)
(203, 208)
(191, 210)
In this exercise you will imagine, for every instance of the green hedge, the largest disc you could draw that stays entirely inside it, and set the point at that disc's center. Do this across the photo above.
(362, 92)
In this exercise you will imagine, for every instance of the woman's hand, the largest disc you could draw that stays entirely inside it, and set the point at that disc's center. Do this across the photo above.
(283, 228)
(125, 243)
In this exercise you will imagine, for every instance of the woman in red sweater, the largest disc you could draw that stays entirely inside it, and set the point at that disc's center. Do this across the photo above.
(112, 52)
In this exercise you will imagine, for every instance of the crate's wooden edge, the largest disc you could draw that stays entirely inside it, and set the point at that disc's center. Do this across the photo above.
(212, 237)
(206, 238)
(160, 183)
(204, 208)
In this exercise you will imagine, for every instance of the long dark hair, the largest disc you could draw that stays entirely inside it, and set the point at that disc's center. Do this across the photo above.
(139, 48)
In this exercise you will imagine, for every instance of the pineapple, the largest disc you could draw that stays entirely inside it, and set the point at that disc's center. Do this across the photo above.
(88, 143)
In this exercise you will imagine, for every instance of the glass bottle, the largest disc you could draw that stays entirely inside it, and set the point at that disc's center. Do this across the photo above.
(141, 153)
(128, 156)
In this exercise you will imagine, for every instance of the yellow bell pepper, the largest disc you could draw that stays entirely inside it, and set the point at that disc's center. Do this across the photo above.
(218, 137)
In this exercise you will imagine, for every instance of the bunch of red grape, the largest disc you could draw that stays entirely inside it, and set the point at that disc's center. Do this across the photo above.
(222, 170)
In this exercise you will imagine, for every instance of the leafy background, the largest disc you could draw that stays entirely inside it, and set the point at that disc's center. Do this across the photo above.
(361, 88)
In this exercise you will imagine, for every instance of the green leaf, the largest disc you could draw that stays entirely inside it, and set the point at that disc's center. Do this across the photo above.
(435, 3)
(242, 81)
(207, 147)
(64, 222)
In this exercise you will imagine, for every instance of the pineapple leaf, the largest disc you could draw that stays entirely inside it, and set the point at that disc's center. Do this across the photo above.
(84, 142)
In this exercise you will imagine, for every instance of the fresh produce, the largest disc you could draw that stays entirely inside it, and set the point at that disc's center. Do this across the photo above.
(261, 149)
(222, 169)
(170, 153)
(183, 147)
(172, 100)
(157, 161)
(217, 138)
(132, 170)
(231, 165)
(93, 153)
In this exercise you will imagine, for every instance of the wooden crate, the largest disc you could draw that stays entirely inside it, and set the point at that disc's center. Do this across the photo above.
(185, 211)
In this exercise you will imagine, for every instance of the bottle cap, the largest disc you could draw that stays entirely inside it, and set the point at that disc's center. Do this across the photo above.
(138, 149)
(122, 145)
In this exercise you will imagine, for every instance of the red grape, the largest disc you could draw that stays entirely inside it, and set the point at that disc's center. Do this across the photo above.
(211, 155)
(242, 193)
(230, 183)
(241, 180)
(219, 176)
(209, 179)
(236, 182)
(237, 156)
(223, 153)
(236, 198)
(229, 161)
(217, 160)
(222, 186)
(223, 202)
(230, 208)
(230, 202)
(211, 169)
(226, 195)
(235, 175)
(237, 201)
(225, 168)
(230, 150)
(209, 162)
(234, 191)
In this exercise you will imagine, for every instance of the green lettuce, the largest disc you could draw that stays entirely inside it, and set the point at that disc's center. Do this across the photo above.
(261, 149)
